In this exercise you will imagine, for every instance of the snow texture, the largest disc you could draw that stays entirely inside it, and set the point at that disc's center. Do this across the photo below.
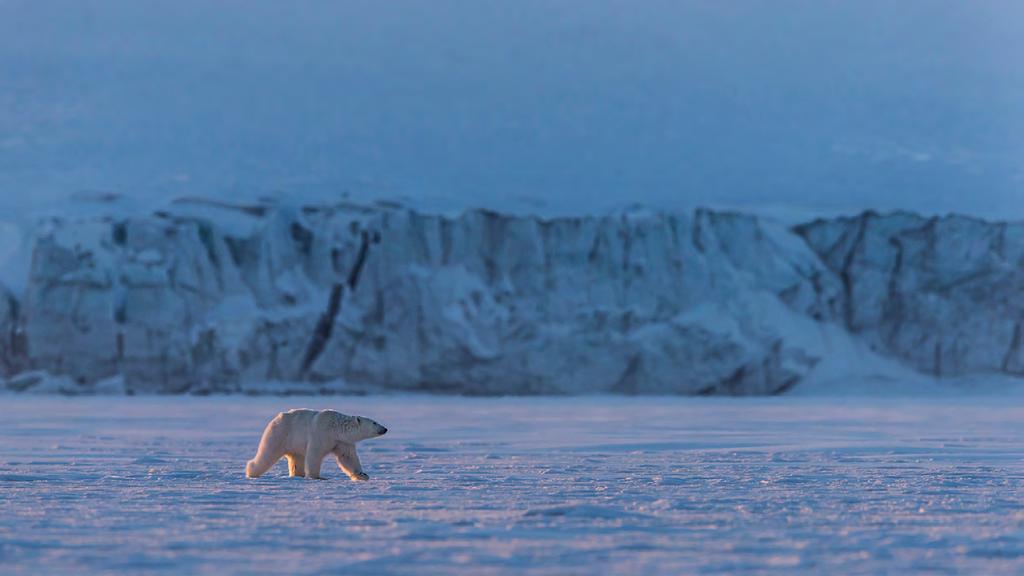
(207, 296)
(589, 485)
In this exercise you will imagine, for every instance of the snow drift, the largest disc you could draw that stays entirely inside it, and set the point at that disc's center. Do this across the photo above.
(213, 297)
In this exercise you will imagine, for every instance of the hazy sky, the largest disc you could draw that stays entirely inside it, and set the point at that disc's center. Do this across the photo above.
(557, 105)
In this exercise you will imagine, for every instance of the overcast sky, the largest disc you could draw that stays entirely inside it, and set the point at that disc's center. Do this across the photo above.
(557, 106)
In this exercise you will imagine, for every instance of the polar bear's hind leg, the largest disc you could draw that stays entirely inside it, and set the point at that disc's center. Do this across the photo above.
(269, 452)
(296, 465)
(263, 461)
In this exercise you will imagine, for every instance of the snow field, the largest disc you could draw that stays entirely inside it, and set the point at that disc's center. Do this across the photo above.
(579, 485)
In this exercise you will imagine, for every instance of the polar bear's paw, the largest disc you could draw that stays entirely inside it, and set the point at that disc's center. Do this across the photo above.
(360, 477)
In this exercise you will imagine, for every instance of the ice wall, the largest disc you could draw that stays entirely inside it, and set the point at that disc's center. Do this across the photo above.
(942, 294)
(211, 297)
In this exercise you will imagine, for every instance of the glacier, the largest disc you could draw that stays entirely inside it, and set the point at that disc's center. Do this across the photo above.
(205, 297)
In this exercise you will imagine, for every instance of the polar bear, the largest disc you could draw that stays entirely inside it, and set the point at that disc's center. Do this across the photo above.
(305, 437)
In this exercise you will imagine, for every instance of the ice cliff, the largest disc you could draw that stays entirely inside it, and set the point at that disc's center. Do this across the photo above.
(212, 297)
(943, 295)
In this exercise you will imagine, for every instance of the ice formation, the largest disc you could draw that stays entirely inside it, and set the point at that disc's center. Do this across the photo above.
(213, 297)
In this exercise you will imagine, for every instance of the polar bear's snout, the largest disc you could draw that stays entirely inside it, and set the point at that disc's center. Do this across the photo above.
(381, 430)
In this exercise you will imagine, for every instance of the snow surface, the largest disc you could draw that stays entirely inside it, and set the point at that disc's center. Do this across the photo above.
(583, 485)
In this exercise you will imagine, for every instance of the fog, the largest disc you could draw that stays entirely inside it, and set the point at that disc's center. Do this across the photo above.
(789, 108)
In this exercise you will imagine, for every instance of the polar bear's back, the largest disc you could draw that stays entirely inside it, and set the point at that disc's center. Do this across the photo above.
(291, 430)
(296, 415)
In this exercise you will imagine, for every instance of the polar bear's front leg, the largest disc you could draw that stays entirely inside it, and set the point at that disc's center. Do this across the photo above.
(348, 461)
(315, 452)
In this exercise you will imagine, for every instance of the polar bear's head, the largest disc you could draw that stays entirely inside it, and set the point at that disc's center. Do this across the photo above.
(365, 428)
(350, 429)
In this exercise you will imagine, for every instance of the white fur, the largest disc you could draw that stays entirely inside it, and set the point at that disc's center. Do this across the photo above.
(305, 437)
